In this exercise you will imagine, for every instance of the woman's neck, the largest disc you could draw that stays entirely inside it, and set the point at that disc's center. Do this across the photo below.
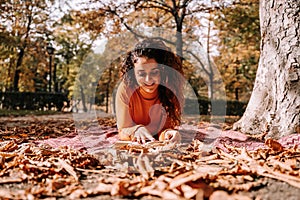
(148, 95)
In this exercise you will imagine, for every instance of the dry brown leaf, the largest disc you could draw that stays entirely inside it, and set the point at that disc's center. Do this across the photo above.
(274, 145)
(143, 166)
(68, 168)
(101, 188)
(217, 195)
(192, 174)
(188, 191)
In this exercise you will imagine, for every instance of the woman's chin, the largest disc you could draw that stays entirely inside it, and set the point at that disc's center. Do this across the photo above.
(150, 89)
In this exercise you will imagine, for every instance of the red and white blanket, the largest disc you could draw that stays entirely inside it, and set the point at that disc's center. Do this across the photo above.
(101, 137)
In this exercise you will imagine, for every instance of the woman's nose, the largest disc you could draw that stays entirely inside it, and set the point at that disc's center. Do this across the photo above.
(148, 78)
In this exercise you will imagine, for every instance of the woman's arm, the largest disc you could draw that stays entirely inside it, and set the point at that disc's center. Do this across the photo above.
(125, 124)
(127, 128)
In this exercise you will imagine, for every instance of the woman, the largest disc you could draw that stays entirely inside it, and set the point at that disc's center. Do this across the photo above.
(149, 98)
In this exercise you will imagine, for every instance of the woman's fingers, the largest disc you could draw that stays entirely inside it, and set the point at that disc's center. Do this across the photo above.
(173, 136)
(142, 135)
(150, 137)
(143, 140)
(135, 138)
(169, 135)
(145, 137)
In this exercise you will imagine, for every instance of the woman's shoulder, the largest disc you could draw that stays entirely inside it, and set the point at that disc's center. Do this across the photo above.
(124, 90)
(124, 87)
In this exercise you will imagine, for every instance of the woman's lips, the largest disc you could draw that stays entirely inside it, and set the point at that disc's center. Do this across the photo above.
(149, 87)
(149, 84)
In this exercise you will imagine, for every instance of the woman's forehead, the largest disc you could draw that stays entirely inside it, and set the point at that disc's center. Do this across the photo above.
(146, 62)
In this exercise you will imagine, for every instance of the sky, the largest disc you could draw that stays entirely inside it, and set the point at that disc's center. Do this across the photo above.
(63, 6)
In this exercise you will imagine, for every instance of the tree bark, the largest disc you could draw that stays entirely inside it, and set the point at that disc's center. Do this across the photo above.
(83, 98)
(274, 106)
(21, 56)
(18, 71)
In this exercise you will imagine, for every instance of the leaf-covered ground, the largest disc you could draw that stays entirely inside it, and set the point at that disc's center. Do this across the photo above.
(30, 170)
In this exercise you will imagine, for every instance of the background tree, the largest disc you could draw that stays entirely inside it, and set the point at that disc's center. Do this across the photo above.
(7, 60)
(238, 47)
(174, 14)
(116, 48)
(181, 17)
(75, 34)
(274, 106)
(24, 25)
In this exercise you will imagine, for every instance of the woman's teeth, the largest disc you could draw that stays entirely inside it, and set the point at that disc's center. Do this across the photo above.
(149, 84)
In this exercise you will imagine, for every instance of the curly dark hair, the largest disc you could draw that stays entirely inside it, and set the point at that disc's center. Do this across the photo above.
(171, 87)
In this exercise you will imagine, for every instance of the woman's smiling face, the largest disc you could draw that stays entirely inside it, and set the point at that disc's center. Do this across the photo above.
(147, 74)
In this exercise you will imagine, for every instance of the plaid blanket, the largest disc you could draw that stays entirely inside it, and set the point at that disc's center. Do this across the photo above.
(101, 137)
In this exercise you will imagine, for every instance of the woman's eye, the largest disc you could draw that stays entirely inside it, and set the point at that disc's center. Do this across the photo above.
(142, 74)
(155, 73)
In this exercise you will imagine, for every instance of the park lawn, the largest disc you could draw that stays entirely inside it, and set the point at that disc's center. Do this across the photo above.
(16, 113)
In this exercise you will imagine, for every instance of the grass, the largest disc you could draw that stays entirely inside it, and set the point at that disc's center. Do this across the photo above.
(15, 113)
(208, 118)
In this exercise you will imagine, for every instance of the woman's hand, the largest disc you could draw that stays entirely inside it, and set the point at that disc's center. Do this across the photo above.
(171, 135)
(141, 135)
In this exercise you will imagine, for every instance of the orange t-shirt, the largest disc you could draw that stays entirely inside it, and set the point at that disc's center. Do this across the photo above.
(135, 107)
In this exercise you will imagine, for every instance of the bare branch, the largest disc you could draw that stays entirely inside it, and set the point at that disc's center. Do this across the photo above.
(130, 29)
(162, 4)
(200, 62)
(154, 6)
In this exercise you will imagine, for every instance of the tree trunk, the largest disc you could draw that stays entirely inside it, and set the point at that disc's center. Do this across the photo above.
(107, 90)
(21, 56)
(83, 99)
(274, 106)
(179, 43)
(17, 70)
